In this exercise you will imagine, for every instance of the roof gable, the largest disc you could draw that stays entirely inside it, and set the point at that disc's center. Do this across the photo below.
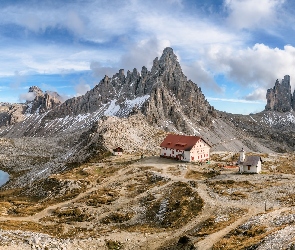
(181, 142)
(252, 160)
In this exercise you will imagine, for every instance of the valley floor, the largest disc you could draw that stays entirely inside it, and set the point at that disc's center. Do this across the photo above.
(155, 203)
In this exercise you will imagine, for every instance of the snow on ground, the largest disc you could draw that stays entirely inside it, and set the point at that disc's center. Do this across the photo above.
(112, 109)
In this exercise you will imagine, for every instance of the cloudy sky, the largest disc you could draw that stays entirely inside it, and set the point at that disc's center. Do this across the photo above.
(233, 49)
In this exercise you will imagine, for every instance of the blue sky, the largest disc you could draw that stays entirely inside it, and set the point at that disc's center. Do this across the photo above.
(233, 49)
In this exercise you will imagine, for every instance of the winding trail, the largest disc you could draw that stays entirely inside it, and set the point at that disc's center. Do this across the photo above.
(48, 210)
(155, 241)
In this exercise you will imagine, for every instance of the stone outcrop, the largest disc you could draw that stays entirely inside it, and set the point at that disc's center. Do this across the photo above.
(174, 98)
(133, 134)
(42, 101)
(279, 98)
(15, 113)
(164, 95)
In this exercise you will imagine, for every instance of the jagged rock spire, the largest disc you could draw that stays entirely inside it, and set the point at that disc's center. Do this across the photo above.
(279, 98)
(162, 94)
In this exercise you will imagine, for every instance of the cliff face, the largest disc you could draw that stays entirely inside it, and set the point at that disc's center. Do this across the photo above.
(42, 102)
(279, 98)
(166, 100)
(164, 95)
(174, 99)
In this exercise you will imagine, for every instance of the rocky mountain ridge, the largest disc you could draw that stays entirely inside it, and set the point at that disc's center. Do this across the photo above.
(167, 100)
(154, 93)
(41, 102)
(279, 98)
(63, 185)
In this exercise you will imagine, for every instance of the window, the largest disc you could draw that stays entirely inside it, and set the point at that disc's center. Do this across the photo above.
(173, 152)
(193, 158)
(249, 167)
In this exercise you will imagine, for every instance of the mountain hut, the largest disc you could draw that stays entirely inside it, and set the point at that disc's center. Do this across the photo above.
(118, 151)
(185, 148)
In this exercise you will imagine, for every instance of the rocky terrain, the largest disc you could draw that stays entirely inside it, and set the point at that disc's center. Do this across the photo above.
(41, 102)
(153, 203)
(279, 98)
(164, 95)
(66, 191)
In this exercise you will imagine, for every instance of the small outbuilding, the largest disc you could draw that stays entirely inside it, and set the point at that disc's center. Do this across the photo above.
(185, 148)
(118, 151)
(250, 163)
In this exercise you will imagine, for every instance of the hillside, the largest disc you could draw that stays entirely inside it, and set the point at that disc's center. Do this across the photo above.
(66, 190)
(164, 95)
(152, 203)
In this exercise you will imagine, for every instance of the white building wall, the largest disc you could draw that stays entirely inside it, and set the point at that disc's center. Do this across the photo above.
(169, 152)
(259, 168)
(199, 152)
(253, 169)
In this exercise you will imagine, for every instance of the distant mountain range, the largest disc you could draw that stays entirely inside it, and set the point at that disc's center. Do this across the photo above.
(167, 101)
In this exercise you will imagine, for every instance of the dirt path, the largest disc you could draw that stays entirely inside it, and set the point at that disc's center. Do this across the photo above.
(160, 167)
(211, 239)
(208, 209)
(47, 211)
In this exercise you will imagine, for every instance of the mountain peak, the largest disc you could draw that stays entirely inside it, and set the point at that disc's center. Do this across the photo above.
(168, 56)
(279, 98)
(36, 90)
(168, 50)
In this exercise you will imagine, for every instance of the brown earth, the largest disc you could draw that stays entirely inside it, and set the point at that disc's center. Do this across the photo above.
(150, 203)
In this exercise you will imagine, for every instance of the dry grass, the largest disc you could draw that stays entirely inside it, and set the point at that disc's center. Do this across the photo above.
(143, 182)
(174, 171)
(54, 230)
(218, 157)
(114, 245)
(175, 208)
(70, 215)
(117, 218)
(242, 239)
(288, 199)
(236, 190)
(217, 222)
(100, 197)
(193, 174)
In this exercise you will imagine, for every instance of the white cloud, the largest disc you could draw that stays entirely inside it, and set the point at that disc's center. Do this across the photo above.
(260, 65)
(253, 13)
(257, 94)
(199, 75)
(18, 79)
(82, 88)
(75, 22)
(143, 53)
(232, 100)
(100, 71)
(136, 56)
(30, 96)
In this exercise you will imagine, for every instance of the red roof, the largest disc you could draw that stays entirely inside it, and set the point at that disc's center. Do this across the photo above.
(182, 142)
